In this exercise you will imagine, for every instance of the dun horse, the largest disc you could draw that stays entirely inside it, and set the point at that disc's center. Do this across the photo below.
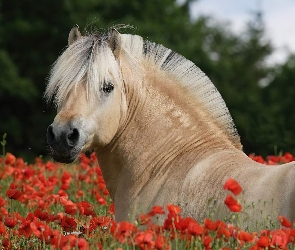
(161, 130)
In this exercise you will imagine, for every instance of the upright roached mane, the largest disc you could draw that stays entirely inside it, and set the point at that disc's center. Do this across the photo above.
(82, 60)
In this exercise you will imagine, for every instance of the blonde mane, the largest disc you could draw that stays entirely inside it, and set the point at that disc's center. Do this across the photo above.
(91, 60)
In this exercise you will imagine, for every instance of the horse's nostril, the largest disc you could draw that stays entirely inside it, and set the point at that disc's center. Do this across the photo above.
(73, 137)
(50, 135)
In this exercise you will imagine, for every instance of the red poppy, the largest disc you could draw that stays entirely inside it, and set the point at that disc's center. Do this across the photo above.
(25, 227)
(156, 210)
(14, 194)
(65, 180)
(82, 244)
(6, 244)
(279, 239)
(10, 222)
(223, 231)
(68, 224)
(272, 160)
(100, 199)
(41, 231)
(41, 215)
(70, 209)
(263, 241)
(99, 221)
(244, 236)
(111, 209)
(257, 158)
(190, 226)
(232, 204)
(144, 219)
(93, 157)
(207, 241)
(2, 202)
(173, 209)
(123, 230)
(288, 157)
(10, 159)
(145, 240)
(2, 228)
(85, 208)
(284, 221)
(161, 242)
(209, 224)
(233, 186)
(84, 159)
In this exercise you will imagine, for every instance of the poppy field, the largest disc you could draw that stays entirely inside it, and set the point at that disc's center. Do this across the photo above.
(47, 205)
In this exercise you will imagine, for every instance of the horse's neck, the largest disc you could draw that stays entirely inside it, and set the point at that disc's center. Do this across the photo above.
(162, 125)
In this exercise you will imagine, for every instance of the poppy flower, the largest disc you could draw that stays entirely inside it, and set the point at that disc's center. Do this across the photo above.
(123, 230)
(233, 186)
(263, 241)
(279, 239)
(207, 241)
(156, 210)
(161, 242)
(210, 225)
(111, 209)
(2, 202)
(244, 236)
(6, 243)
(173, 209)
(2, 228)
(100, 199)
(68, 224)
(25, 228)
(44, 216)
(70, 209)
(10, 222)
(145, 240)
(14, 194)
(190, 226)
(98, 222)
(65, 180)
(284, 221)
(82, 244)
(10, 159)
(232, 204)
(256, 158)
(84, 159)
(223, 231)
(85, 208)
(144, 219)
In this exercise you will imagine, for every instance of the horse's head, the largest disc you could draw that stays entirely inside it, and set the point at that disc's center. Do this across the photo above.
(87, 85)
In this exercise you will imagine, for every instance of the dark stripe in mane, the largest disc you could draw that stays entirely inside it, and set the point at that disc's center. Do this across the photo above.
(168, 59)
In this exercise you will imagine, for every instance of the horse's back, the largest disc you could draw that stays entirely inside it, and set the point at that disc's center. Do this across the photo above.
(267, 190)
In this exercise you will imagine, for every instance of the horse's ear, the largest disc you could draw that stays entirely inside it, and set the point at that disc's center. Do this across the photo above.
(115, 42)
(74, 35)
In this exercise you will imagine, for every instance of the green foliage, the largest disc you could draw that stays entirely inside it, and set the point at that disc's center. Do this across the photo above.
(34, 33)
(3, 143)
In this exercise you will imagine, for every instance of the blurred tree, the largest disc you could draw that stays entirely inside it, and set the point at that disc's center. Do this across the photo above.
(238, 66)
(279, 98)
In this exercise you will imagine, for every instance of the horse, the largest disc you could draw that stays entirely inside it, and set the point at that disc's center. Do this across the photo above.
(161, 131)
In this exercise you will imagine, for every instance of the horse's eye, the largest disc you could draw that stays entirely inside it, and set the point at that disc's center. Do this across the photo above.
(107, 87)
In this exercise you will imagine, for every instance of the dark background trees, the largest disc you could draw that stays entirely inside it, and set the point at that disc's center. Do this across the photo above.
(34, 33)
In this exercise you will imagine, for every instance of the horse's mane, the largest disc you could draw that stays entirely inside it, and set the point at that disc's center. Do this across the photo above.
(80, 62)
(190, 77)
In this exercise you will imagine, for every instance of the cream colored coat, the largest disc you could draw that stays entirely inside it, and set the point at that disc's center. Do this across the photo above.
(163, 135)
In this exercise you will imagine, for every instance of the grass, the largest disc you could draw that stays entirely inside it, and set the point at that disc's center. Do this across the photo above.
(46, 205)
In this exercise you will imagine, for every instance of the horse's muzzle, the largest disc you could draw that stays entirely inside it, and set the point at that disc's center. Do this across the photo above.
(64, 140)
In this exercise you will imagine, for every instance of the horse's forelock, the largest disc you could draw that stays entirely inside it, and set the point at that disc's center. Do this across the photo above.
(88, 60)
